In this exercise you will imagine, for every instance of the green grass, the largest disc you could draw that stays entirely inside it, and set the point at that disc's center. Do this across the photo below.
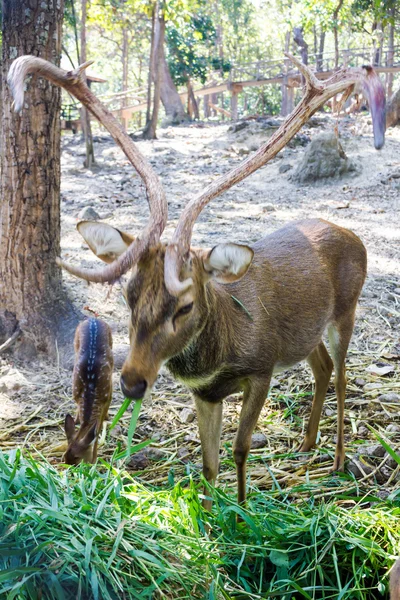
(90, 532)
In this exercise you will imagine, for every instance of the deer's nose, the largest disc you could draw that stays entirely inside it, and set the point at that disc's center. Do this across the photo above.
(136, 392)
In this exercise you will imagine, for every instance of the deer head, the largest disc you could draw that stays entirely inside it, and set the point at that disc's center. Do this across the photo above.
(167, 293)
(80, 443)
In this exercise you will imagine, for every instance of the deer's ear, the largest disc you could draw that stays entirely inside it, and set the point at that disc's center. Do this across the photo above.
(69, 427)
(227, 263)
(90, 436)
(105, 241)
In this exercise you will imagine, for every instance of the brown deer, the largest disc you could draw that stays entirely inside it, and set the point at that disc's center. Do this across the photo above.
(395, 581)
(92, 390)
(225, 319)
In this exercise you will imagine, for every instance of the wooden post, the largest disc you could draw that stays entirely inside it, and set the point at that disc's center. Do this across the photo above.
(235, 88)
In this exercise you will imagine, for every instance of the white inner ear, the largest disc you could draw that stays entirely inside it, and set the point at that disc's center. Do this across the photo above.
(102, 238)
(229, 258)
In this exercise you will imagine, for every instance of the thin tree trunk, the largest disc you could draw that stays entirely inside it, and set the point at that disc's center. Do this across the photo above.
(320, 57)
(151, 68)
(31, 293)
(149, 132)
(86, 125)
(336, 30)
(390, 56)
(170, 98)
(287, 93)
(125, 70)
(300, 41)
(193, 108)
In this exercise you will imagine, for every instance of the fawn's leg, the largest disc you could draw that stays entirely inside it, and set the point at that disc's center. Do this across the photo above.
(209, 418)
(339, 338)
(253, 401)
(321, 366)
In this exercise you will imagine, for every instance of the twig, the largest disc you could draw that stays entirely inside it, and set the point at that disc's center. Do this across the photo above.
(10, 340)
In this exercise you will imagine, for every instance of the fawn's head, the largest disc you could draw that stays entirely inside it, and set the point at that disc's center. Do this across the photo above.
(166, 293)
(80, 442)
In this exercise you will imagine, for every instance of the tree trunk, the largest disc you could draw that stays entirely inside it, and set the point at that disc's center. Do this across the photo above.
(287, 93)
(320, 57)
(31, 293)
(85, 117)
(193, 108)
(390, 56)
(393, 110)
(169, 95)
(335, 31)
(300, 41)
(125, 70)
(149, 132)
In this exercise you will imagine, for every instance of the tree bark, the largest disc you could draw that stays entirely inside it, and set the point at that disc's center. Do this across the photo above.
(169, 95)
(300, 41)
(149, 132)
(31, 293)
(393, 110)
(320, 56)
(85, 117)
(336, 30)
(390, 56)
(125, 69)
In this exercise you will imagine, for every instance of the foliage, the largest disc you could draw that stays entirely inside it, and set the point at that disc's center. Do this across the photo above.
(88, 533)
(189, 45)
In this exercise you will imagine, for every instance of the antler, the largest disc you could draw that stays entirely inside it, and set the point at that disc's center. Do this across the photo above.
(73, 82)
(315, 95)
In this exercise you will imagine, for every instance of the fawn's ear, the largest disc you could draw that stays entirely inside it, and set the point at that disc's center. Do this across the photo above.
(105, 241)
(227, 263)
(90, 436)
(69, 426)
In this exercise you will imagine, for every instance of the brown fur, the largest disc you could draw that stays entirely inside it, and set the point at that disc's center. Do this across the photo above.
(395, 581)
(92, 389)
(304, 279)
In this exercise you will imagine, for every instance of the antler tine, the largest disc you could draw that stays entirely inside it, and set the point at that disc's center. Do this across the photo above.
(315, 95)
(73, 82)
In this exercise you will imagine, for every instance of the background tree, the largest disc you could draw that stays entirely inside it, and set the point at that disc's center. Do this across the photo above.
(31, 293)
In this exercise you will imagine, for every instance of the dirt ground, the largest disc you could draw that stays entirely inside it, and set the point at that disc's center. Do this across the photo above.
(34, 401)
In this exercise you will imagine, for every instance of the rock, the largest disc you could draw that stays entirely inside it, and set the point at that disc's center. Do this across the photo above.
(393, 428)
(12, 382)
(360, 382)
(238, 126)
(88, 214)
(141, 460)
(187, 415)
(324, 159)
(372, 386)
(390, 397)
(258, 440)
(268, 208)
(362, 431)
(357, 465)
(120, 352)
(375, 450)
(285, 167)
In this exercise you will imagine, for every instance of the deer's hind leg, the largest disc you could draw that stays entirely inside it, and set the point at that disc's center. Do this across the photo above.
(321, 365)
(339, 338)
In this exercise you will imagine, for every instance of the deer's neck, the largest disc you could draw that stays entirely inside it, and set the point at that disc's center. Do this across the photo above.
(214, 344)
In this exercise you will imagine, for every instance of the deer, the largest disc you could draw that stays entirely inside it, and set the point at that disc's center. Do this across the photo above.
(92, 390)
(186, 303)
(395, 581)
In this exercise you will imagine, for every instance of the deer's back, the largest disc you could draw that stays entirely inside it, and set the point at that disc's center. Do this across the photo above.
(92, 378)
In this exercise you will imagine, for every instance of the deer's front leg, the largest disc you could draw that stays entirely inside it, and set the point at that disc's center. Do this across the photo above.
(254, 397)
(209, 418)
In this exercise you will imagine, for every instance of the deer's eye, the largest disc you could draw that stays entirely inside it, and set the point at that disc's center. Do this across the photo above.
(184, 310)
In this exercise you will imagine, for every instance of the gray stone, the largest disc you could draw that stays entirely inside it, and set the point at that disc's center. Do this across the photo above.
(238, 126)
(389, 397)
(88, 214)
(258, 440)
(187, 415)
(324, 159)
(285, 167)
